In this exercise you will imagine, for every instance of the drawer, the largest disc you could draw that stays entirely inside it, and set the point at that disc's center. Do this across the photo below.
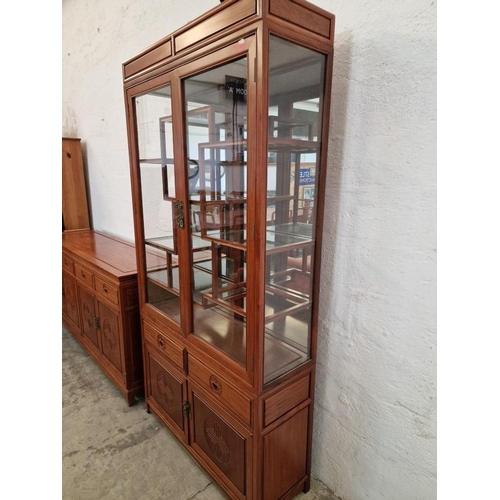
(172, 351)
(68, 264)
(223, 391)
(83, 274)
(106, 290)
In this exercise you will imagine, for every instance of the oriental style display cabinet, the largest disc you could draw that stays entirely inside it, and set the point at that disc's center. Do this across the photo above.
(227, 122)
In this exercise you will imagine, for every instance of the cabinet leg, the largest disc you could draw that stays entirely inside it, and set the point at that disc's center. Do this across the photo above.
(130, 398)
(307, 485)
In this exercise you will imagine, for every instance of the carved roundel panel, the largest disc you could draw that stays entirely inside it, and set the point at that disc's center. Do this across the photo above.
(165, 389)
(109, 335)
(216, 440)
(88, 315)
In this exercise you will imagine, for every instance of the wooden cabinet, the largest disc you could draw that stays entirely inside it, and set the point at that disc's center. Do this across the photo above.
(101, 304)
(75, 210)
(228, 132)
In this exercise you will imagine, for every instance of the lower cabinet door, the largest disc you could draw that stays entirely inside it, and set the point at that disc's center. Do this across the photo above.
(89, 317)
(70, 301)
(166, 391)
(110, 336)
(221, 442)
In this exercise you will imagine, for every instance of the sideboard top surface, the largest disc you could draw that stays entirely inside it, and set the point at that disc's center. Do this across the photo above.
(113, 255)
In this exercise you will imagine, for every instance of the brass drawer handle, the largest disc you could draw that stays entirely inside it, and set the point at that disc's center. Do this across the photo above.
(161, 342)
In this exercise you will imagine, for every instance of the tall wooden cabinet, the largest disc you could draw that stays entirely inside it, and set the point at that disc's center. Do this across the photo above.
(75, 209)
(228, 133)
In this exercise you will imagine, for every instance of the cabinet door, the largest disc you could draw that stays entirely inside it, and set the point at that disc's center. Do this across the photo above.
(156, 174)
(218, 108)
(165, 386)
(222, 443)
(110, 336)
(70, 302)
(295, 117)
(89, 317)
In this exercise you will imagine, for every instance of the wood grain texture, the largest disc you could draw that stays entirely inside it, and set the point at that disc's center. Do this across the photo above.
(75, 210)
(163, 343)
(222, 390)
(229, 13)
(286, 399)
(156, 55)
(304, 15)
(285, 455)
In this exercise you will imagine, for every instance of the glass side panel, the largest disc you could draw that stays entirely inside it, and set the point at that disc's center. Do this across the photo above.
(294, 125)
(216, 138)
(156, 163)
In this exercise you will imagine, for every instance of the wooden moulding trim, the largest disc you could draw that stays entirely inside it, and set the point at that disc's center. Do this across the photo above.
(154, 56)
(303, 15)
(228, 13)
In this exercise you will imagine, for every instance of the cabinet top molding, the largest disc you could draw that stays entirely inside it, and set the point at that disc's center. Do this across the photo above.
(230, 17)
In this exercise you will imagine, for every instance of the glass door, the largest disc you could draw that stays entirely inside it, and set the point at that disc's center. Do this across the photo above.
(160, 207)
(296, 86)
(216, 104)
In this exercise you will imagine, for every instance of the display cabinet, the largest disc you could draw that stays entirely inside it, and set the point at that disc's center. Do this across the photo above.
(227, 123)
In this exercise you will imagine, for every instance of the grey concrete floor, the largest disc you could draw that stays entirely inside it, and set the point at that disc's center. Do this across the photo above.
(112, 451)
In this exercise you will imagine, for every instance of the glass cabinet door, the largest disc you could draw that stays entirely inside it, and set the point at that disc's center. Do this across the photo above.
(159, 204)
(296, 76)
(215, 107)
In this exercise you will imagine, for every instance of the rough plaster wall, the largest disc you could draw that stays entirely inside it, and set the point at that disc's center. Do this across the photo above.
(375, 416)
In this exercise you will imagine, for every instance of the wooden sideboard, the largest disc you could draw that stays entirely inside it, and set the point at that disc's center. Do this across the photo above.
(100, 304)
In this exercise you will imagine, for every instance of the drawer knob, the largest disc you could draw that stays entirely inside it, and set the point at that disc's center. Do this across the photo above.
(161, 342)
(83, 275)
(215, 384)
(105, 290)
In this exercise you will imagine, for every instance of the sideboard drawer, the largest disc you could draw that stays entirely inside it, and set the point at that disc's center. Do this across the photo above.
(68, 264)
(106, 290)
(83, 274)
(239, 404)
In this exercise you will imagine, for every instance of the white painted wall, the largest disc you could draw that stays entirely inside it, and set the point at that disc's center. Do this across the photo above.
(375, 419)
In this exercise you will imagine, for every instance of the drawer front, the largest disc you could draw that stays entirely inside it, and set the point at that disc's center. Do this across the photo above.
(173, 351)
(84, 274)
(106, 290)
(224, 392)
(68, 264)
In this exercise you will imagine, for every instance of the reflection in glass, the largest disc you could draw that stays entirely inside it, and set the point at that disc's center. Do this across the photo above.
(294, 141)
(216, 136)
(156, 163)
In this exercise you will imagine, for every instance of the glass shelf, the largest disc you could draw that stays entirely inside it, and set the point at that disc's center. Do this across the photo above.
(167, 243)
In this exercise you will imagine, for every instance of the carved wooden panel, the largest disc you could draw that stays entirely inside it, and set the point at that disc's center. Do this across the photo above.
(110, 336)
(70, 301)
(166, 389)
(88, 312)
(220, 442)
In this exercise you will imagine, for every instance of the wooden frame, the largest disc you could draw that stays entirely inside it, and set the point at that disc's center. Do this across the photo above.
(280, 400)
